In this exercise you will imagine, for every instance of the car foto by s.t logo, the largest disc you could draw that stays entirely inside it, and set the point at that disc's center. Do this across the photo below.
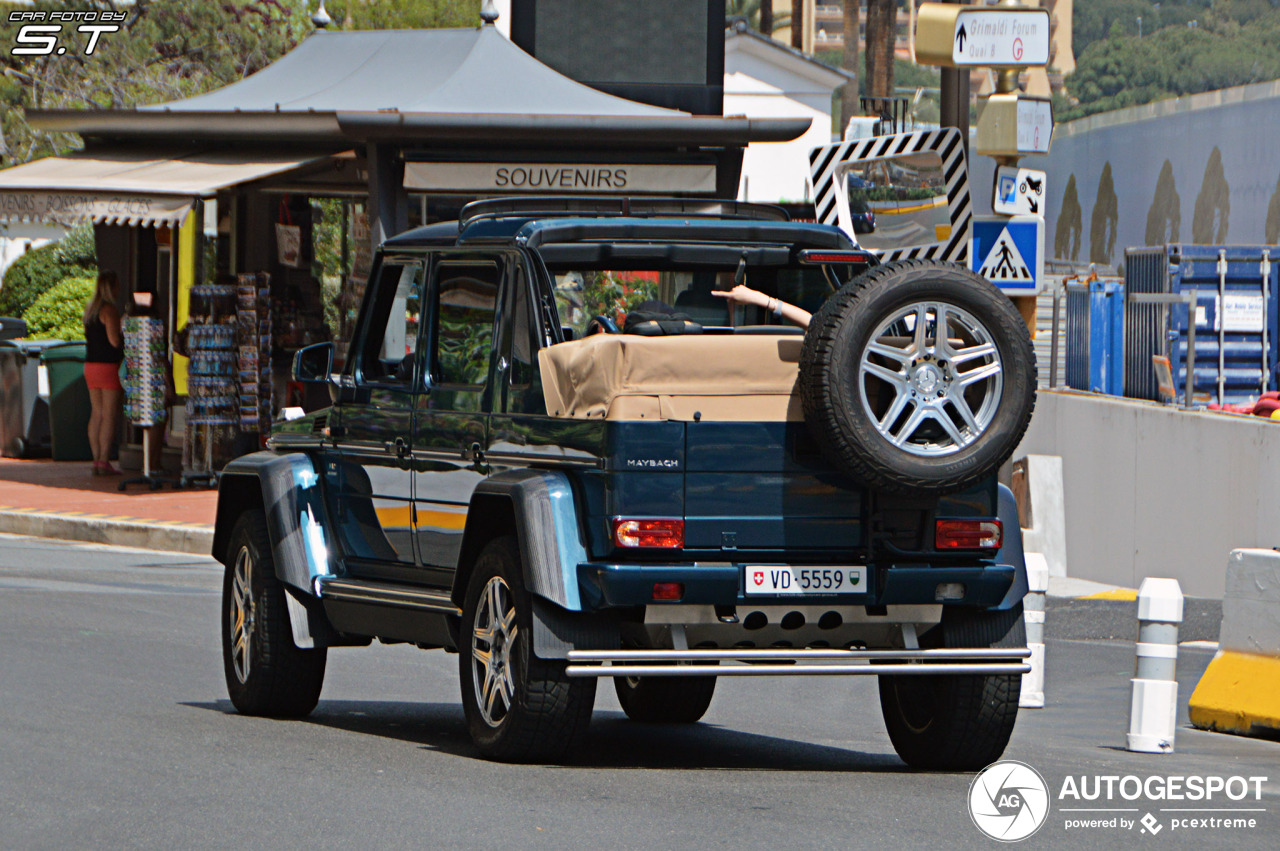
(41, 39)
(1008, 800)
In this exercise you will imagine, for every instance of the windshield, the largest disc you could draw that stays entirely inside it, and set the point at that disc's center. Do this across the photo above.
(584, 293)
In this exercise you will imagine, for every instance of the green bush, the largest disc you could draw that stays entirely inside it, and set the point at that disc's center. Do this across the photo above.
(43, 268)
(78, 248)
(30, 275)
(59, 313)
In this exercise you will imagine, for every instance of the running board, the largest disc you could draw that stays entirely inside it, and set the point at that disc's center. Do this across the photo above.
(386, 594)
(789, 662)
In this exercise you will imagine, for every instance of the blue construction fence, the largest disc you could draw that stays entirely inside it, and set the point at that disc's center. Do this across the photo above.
(1111, 337)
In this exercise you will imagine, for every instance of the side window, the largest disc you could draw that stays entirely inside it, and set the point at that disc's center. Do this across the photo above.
(388, 355)
(467, 298)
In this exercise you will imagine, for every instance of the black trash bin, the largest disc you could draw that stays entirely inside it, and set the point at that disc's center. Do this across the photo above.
(68, 402)
(24, 408)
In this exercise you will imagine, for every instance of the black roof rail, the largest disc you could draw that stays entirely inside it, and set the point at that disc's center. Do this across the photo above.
(588, 206)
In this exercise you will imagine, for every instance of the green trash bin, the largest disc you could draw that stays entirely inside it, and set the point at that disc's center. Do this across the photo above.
(68, 402)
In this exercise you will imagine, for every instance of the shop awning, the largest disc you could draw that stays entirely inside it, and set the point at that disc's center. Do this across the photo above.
(130, 187)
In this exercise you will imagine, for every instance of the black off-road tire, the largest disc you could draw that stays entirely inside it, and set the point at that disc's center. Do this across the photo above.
(836, 394)
(665, 700)
(282, 681)
(550, 712)
(960, 722)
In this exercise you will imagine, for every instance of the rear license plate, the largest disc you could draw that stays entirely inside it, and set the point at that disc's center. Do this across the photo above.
(772, 579)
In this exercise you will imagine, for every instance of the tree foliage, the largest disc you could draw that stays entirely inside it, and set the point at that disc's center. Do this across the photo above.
(1232, 43)
(404, 14)
(167, 50)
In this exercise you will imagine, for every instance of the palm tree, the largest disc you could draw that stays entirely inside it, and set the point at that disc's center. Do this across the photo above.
(849, 105)
(758, 14)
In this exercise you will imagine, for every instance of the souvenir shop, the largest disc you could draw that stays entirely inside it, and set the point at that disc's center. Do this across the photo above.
(243, 221)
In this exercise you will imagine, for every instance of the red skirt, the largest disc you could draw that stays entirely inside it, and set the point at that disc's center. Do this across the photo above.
(102, 376)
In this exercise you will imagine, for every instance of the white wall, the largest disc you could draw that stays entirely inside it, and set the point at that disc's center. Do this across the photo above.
(774, 171)
(1153, 491)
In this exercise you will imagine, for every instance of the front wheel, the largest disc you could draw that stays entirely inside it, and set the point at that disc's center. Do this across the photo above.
(665, 700)
(519, 708)
(266, 673)
(957, 722)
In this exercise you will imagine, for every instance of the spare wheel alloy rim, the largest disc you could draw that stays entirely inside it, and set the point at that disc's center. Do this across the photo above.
(493, 636)
(241, 614)
(930, 378)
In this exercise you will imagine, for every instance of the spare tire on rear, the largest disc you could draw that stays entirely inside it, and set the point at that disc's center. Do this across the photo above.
(902, 407)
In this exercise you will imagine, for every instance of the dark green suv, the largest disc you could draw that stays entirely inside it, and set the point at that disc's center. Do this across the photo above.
(505, 475)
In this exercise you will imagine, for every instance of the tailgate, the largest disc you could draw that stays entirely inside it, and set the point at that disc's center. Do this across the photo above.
(764, 486)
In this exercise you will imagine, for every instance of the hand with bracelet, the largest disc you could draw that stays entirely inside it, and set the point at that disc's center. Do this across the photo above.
(742, 294)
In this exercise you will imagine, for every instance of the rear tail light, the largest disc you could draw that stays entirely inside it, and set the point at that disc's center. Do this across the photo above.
(969, 535)
(649, 533)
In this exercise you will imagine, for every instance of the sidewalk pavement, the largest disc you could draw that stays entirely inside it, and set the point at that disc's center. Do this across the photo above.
(62, 499)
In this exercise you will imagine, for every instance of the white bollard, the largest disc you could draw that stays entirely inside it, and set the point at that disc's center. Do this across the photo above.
(1033, 606)
(1153, 712)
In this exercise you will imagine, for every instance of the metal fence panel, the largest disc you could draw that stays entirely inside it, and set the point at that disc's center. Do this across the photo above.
(1236, 319)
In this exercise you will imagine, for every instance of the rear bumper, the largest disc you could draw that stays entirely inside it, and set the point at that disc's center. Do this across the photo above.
(622, 585)
(794, 662)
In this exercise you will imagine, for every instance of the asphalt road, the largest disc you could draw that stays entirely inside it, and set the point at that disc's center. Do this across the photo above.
(115, 732)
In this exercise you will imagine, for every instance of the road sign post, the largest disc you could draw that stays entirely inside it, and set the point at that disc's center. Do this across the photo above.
(1007, 37)
(1019, 191)
(1013, 125)
(985, 36)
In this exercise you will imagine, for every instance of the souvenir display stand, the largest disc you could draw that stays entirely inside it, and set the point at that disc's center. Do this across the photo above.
(145, 350)
(212, 397)
(253, 331)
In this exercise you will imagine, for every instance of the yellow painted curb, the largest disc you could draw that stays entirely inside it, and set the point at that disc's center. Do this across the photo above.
(1239, 693)
(1125, 594)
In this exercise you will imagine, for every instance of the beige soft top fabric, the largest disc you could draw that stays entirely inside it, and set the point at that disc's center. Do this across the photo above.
(629, 377)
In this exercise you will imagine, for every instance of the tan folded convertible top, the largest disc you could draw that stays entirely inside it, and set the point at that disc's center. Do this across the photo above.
(717, 377)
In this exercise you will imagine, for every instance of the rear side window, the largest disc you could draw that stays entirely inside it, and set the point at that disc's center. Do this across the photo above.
(467, 300)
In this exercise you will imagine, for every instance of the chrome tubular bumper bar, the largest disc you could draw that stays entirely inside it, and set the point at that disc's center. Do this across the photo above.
(789, 662)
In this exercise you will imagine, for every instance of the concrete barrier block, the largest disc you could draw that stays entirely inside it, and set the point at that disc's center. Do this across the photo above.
(1251, 605)
(1240, 690)
(1038, 483)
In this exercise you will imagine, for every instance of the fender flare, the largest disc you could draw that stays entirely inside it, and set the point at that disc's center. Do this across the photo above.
(539, 508)
(542, 513)
(291, 493)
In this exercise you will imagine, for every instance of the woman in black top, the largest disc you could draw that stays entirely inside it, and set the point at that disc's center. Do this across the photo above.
(104, 349)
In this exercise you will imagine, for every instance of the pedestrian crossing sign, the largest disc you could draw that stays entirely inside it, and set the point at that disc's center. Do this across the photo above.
(1009, 252)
